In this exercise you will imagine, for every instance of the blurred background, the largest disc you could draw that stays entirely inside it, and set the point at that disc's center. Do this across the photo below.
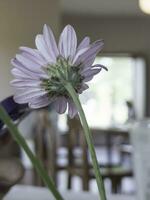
(115, 101)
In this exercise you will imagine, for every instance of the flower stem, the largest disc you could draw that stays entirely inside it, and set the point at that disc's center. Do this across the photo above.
(36, 163)
(89, 140)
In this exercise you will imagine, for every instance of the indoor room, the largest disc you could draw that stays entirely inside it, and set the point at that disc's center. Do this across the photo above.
(74, 99)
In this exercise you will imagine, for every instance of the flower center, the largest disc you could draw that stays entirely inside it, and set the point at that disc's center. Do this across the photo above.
(58, 73)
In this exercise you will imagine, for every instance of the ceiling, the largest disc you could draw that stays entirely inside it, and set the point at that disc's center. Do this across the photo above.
(102, 7)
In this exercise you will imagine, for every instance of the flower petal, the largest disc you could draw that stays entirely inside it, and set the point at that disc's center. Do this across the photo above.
(25, 96)
(21, 71)
(33, 59)
(42, 47)
(84, 43)
(68, 43)
(19, 74)
(34, 54)
(27, 83)
(28, 63)
(89, 74)
(79, 53)
(99, 66)
(60, 105)
(88, 57)
(84, 71)
(50, 42)
(39, 102)
(83, 87)
(72, 110)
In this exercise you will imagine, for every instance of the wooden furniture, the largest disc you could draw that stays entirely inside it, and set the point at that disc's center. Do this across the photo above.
(80, 165)
(76, 139)
(28, 192)
(77, 156)
(45, 139)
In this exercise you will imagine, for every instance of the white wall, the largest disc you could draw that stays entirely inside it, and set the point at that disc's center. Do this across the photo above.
(20, 21)
(119, 34)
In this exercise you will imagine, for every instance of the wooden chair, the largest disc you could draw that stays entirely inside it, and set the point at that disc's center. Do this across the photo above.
(77, 156)
(79, 165)
(75, 140)
(45, 144)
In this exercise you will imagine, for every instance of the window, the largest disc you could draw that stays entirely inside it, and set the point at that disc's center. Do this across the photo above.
(105, 103)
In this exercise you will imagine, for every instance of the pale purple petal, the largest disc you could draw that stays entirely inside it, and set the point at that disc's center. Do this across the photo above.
(99, 66)
(25, 96)
(21, 70)
(60, 105)
(72, 110)
(85, 71)
(84, 43)
(79, 53)
(34, 59)
(17, 64)
(89, 74)
(19, 74)
(35, 53)
(83, 87)
(50, 42)
(68, 43)
(27, 83)
(39, 102)
(42, 47)
(28, 63)
(88, 57)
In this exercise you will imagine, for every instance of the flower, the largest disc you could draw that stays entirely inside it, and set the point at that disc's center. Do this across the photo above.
(39, 72)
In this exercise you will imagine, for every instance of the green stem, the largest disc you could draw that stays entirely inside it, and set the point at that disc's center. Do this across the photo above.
(89, 140)
(36, 163)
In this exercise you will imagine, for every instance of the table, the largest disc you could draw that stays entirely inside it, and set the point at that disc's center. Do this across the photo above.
(36, 193)
(102, 138)
(110, 133)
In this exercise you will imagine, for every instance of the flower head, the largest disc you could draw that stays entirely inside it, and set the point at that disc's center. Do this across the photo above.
(39, 73)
